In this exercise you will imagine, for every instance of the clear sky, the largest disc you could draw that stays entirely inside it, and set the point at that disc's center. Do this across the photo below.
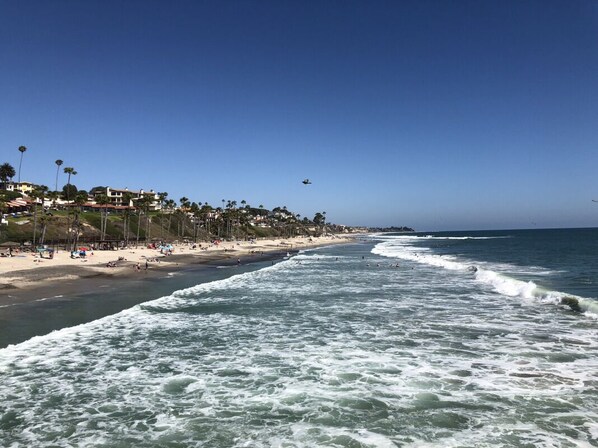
(431, 114)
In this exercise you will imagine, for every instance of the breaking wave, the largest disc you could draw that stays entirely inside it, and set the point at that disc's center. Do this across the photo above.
(495, 275)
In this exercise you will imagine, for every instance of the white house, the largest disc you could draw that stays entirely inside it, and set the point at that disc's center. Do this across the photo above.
(116, 195)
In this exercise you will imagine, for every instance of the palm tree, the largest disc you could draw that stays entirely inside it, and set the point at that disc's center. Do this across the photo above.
(147, 202)
(143, 203)
(195, 210)
(162, 197)
(58, 164)
(71, 172)
(184, 201)
(38, 193)
(139, 206)
(103, 200)
(6, 172)
(80, 200)
(170, 205)
(22, 149)
(44, 219)
(127, 198)
(206, 211)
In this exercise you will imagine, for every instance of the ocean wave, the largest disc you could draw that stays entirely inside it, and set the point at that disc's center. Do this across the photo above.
(436, 237)
(489, 274)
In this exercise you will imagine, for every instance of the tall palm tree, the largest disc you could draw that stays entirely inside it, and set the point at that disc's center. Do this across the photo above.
(127, 200)
(58, 164)
(139, 206)
(103, 200)
(170, 205)
(184, 201)
(206, 211)
(143, 204)
(71, 172)
(37, 193)
(80, 200)
(162, 198)
(147, 202)
(22, 150)
(195, 210)
(44, 219)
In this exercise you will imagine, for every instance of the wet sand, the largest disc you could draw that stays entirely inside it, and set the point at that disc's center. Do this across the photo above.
(30, 312)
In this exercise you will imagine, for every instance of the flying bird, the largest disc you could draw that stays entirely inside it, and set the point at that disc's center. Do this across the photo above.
(306, 181)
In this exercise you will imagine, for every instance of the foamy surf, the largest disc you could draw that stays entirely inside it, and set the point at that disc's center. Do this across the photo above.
(320, 350)
(400, 248)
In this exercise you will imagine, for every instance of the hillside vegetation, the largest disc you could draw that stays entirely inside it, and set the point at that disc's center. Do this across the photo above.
(52, 228)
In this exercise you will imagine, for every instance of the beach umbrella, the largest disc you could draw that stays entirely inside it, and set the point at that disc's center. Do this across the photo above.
(10, 244)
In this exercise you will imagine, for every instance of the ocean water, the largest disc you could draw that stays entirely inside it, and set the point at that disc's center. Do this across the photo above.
(393, 341)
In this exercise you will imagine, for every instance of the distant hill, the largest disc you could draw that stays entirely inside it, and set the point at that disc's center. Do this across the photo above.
(390, 229)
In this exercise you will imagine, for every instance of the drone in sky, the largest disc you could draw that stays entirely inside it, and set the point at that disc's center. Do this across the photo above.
(306, 182)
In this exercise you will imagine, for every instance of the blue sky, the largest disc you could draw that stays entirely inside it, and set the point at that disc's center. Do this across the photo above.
(438, 115)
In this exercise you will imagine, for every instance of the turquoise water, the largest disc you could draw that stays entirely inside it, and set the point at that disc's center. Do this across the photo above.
(336, 347)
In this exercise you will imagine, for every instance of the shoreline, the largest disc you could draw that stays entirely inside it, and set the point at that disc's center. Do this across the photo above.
(26, 277)
(50, 298)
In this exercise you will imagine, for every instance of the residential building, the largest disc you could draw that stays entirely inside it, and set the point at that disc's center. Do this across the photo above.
(116, 195)
(21, 187)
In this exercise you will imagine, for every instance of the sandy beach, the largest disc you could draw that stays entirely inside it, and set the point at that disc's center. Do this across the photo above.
(28, 272)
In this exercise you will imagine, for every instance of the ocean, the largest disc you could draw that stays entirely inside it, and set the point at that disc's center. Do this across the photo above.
(452, 339)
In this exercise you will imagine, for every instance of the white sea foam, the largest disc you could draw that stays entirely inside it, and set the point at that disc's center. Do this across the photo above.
(492, 274)
(310, 354)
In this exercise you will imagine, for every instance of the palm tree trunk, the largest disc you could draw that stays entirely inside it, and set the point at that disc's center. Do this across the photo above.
(68, 212)
(34, 223)
(20, 162)
(138, 226)
(76, 235)
(147, 228)
(43, 237)
(105, 222)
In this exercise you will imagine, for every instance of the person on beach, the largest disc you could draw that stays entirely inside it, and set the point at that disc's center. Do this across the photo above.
(137, 267)
(146, 265)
